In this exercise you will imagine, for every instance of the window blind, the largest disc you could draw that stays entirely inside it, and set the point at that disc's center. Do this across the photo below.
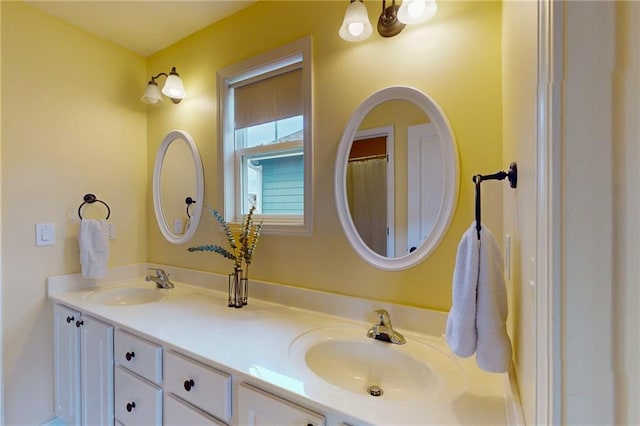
(267, 100)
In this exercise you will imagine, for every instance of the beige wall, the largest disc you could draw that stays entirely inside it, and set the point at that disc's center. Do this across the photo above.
(455, 58)
(71, 124)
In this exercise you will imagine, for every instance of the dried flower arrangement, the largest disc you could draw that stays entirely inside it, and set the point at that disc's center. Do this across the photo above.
(240, 252)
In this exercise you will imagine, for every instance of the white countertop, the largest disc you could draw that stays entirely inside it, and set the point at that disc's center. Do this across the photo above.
(253, 343)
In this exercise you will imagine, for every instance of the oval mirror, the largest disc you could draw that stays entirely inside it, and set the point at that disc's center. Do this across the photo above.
(396, 180)
(178, 187)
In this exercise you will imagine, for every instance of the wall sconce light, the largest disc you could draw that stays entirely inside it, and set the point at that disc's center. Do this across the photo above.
(173, 89)
(392, 20)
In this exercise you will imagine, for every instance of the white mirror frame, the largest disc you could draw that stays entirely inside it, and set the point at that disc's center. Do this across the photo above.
(451, 177)
(198, 196)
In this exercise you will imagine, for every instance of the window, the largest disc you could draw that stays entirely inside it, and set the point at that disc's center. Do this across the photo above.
(265, 132)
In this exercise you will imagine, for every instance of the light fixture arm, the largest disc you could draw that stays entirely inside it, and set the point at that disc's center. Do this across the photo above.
(153, 79)
(388, 24)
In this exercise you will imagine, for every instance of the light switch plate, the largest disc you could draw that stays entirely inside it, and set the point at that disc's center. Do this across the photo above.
(45, 234)
(177, 226)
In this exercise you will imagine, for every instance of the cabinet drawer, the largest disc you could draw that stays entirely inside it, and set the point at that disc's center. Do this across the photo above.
(177, 413)
(259, 408)
(137, 402)
(138, 355)
(198, 384)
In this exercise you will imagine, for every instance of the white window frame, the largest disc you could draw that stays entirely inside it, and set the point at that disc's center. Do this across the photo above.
(229, 189)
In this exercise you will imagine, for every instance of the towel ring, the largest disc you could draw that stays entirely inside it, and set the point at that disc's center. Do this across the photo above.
(90, 199)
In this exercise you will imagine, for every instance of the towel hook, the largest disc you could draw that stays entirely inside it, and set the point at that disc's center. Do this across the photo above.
(189, 201)
(90, 199)
(511, 175)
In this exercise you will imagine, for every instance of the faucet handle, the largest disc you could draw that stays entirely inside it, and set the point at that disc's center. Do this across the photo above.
(161, 272)
(383, 318)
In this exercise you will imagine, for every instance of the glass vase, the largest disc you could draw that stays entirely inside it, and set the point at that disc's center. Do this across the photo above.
(238, 289)
(235, 284)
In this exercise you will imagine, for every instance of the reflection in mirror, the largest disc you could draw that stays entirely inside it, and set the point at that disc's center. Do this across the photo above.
(176, 184)
(396, 178)
(381, 203)
(370, 189)
(178, 187)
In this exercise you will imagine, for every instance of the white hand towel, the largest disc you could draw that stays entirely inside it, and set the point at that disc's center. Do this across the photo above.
(494, 347)
(93, 239)
(477, 319)
(461, 333)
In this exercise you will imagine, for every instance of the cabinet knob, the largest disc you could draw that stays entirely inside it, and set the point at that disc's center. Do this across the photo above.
(70, 320)
(188, 384)
(129, 356)
(79, 323)
(131, 406)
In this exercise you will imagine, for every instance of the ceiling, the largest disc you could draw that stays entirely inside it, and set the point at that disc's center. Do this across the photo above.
(141, 26)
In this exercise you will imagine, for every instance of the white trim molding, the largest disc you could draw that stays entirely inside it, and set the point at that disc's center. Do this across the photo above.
(548, 405)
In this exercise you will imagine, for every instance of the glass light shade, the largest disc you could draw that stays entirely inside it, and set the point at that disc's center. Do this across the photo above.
(173, 88)
(151, 94)
(356, 25)
(416, 11)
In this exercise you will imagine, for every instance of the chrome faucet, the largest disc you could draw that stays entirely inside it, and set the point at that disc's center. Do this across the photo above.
(382, 329)
(161, 279)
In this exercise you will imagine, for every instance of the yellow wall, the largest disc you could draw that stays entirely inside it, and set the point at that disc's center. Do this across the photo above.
(455, 58)
(72, 123)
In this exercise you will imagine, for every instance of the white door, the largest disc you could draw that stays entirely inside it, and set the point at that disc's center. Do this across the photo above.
(66, 343)
(97, 371)
(425, 175)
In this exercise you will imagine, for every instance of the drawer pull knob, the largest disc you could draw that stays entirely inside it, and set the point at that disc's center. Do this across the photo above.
(129, 356)
(79, 323)
(69, 320)
(188, 384)
(131, 406)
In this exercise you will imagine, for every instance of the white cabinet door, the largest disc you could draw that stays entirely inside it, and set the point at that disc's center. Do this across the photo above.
(96, 355)
(83, 362)
(258, 408)
(66, 353)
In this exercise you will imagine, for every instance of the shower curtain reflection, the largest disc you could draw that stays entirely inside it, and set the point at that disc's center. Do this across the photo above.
(367, 197)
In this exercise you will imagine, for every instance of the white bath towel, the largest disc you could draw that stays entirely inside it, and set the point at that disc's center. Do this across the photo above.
(93, 239)
(461, 333)
(477, 320)
(494, 346)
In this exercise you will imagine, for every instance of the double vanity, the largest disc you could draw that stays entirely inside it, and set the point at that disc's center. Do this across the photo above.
(129, 352)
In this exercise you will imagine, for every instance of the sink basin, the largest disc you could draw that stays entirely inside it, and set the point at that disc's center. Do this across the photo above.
(344, 358)
(125, 295)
